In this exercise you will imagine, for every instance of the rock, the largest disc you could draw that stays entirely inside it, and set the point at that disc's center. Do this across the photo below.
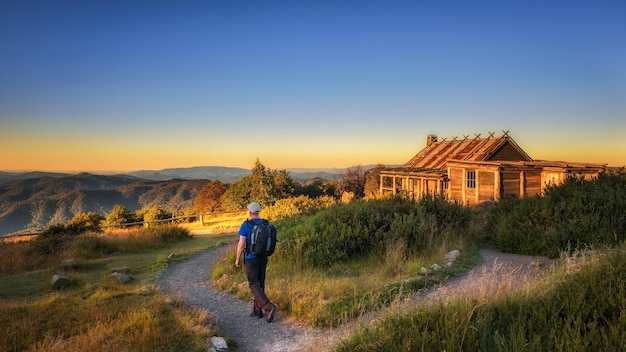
(424, 271)
(60, 281)
(436, 267)
(68, 263)
(114, 254)
(452, 255)
(413, 279)
(123, 278)
(121, 269)
(219, 343)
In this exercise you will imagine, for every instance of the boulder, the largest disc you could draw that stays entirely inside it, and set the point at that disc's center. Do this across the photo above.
(60, 281)
(452, 255)
(123, 278)
(219, 343)
(68, 263)
(121, 270)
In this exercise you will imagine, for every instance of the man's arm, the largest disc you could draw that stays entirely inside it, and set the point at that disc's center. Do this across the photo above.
(240, 247)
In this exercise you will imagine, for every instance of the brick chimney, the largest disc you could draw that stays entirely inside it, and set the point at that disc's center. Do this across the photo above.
(430, 139)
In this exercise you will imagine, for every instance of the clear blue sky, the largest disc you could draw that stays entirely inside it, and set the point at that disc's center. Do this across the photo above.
(130, 85)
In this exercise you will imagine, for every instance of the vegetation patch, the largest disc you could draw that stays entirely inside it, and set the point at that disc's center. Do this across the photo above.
(573, 215)
(575, 308)
(97, 312)
(334, 262)
(338, 262)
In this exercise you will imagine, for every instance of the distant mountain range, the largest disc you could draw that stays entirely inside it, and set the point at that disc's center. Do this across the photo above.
(221, 173)
(229, 174)
(36, 200)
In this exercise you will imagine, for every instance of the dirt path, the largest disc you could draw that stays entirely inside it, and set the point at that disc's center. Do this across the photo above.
(190, 280)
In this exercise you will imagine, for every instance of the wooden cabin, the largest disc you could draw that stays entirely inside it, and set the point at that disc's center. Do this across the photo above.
(476, 170)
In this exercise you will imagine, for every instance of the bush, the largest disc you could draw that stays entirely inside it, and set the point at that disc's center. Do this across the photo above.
(287, 207)
(345, 231)
(574, 214)
(90, 220)
(56, 239)
(119, 215)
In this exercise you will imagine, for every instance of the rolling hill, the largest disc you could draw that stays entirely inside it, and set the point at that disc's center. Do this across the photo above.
(43, 201)
(36, 200)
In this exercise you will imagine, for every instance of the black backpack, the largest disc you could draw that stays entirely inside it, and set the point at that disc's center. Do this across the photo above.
(262, 239)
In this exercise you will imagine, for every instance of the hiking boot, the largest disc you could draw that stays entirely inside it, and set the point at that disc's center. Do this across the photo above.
(271, 313)
(258, 314)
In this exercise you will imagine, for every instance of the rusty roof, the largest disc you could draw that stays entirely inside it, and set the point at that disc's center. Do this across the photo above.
(436, 154)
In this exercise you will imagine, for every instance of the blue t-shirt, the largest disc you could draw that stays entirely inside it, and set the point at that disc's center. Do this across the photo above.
(246, 230)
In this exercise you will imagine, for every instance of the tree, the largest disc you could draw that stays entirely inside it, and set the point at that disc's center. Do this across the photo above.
(372, 181)
(285, 185)
(237, 195)
(316, 187)
(264, 186)
(209, 197)
(119, 215)
(155, 213)
(90, 220)
(352, 180)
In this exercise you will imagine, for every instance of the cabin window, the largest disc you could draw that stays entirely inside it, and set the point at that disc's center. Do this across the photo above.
(471, 179)
(444, 185)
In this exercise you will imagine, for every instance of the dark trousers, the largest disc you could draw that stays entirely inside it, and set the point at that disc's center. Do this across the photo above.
(255, 270)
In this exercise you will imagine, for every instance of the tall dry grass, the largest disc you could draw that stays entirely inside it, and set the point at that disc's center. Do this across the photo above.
(97, 312)
(575, 306)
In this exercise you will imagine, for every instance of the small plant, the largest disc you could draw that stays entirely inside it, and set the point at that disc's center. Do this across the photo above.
(395, 259)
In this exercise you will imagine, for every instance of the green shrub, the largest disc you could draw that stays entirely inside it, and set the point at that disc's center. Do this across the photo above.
(90, 220)
(56, 239)
(287, 207)
(345, 231)
(574, 214)
(118, 215)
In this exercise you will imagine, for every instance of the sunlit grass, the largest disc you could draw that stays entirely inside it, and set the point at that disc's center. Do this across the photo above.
(98, 312)
(217, 223)
(576, 306)
(122, 320)
(342, 292)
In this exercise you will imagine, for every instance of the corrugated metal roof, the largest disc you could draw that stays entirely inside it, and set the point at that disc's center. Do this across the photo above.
(436, 154)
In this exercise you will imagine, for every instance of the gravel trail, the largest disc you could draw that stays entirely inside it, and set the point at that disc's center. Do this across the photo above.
(190, 280)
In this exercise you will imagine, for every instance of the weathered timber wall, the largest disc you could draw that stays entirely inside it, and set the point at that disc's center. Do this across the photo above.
(486, 186)
(510, 184)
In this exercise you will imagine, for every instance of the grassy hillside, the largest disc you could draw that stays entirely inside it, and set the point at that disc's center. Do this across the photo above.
(41, 202)
(94, 311)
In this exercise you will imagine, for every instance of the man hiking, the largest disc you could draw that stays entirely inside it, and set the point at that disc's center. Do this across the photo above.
(255, 265)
